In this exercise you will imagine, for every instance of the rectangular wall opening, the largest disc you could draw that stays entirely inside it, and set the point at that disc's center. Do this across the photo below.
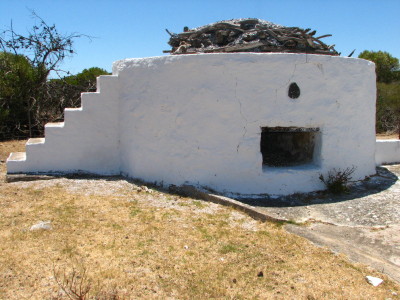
(288, 146)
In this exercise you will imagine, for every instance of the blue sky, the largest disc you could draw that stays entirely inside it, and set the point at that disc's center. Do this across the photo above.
(126, 29)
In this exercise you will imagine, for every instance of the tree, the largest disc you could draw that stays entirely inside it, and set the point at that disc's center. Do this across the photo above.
(43, 48)
(87, 78)
(388, 90)
(17, 76)
(66, 92)
(388, 107)
(387, 66)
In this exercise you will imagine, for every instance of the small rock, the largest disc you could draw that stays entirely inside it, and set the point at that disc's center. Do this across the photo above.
(260, 274)
(143, 188)
(375, 281)
(42, 225)
(234, 280)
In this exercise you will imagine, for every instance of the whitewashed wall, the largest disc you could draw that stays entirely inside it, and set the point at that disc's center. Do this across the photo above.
(196, 119)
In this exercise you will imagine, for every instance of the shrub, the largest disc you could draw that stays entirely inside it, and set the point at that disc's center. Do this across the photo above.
(337, 180)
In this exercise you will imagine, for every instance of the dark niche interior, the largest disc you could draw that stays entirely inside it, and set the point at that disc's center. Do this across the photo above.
(287, 146)
(294, 91)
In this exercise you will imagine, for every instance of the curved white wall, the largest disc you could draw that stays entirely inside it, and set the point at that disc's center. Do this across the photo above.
(197, 118)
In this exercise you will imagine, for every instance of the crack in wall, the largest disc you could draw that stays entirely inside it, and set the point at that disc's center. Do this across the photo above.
(319, 66)
(240, 103)
(289, 80)
(241, 113)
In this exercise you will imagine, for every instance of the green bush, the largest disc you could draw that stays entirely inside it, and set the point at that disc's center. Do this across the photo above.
(388, 107)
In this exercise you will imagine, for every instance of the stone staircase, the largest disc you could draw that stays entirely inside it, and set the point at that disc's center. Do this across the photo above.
(87, 141)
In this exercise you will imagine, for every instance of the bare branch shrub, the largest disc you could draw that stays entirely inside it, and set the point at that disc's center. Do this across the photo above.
(26, 61)
(337, 180)
(75, 284)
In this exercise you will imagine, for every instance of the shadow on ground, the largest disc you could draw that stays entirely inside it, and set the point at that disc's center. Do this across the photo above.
(381, 181)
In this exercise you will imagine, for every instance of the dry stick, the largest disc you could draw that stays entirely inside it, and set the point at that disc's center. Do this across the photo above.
(310, 43)
(323, 36)
(321, 43)
(211, 28)
(281, 34)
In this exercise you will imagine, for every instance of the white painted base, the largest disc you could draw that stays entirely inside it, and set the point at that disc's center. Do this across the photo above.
(387, 152)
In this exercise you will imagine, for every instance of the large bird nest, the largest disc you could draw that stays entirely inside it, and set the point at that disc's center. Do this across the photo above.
(248, 35)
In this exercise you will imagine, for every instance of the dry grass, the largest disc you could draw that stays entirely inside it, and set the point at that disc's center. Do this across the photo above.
(123, 242)
(387, 136)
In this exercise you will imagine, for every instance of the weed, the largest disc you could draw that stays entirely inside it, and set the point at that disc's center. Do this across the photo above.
(337, 180)
(36, 193)
(199, 204)
(228, 248)
(116, 226)
(66, 212)
(281, 223)
(205, 234)
(135, 211)
(68, 249)
(183, 203)
(264, 233)
(75, 284)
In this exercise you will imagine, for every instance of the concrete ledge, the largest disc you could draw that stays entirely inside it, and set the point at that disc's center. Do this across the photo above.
(14, 177)
(191, 191)
(34, 141)
(28, 177)
(17, 156)
(387, 152)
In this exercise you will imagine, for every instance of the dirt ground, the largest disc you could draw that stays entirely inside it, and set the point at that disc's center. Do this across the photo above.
(387, 136)
(120, 239)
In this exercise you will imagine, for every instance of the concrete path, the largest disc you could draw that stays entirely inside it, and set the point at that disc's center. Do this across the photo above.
(364, 224)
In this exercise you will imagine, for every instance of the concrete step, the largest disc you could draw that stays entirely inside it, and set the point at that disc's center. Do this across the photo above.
(51, 129)
(73, 116)
(106, 83)
(17, 156)
(54, 125)
(72, 109)
(35, 141)
(34, 145)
